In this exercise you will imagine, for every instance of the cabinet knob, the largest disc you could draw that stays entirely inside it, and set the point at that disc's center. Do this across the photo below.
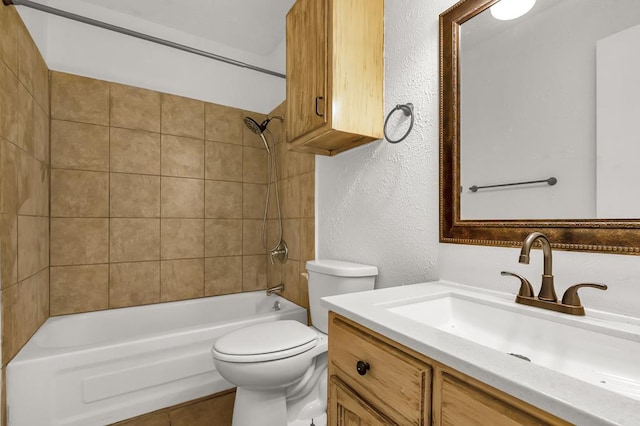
(362, 367)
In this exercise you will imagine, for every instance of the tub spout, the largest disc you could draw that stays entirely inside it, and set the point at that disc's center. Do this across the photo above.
(275, 289)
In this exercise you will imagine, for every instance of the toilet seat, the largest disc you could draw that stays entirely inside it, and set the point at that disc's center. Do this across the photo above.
(265, 342)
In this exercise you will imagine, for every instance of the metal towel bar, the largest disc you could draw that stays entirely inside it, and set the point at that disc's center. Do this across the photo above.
(551, 181)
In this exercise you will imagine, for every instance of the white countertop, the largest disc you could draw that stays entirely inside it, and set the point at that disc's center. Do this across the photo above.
(571, 399)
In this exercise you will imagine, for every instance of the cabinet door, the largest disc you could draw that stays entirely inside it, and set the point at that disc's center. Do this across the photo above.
(306, 67)
(348, 409)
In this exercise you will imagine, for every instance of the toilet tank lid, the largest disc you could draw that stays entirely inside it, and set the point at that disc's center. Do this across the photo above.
(340, 268)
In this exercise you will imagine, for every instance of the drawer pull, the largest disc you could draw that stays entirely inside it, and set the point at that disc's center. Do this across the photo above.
(362, 367)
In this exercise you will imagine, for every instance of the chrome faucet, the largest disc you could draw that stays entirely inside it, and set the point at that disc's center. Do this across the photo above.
(547, 298)
(277, 289)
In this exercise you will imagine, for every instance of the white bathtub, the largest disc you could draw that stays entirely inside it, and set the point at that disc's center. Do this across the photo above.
(101, 367)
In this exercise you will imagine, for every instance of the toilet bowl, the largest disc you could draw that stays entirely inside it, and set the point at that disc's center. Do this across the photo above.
(280, 368)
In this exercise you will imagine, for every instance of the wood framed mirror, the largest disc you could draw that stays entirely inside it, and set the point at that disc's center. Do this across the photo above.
(465, 132)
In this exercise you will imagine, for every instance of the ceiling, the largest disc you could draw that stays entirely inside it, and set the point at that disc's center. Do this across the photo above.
(255, 26)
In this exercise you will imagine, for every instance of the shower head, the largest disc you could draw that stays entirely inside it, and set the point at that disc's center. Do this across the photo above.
(258, 129)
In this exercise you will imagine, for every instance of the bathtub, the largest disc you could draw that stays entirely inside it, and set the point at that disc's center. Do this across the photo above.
(102, 367)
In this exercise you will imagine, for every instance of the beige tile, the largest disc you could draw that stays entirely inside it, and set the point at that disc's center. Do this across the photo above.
(8, 249)
(307, 195)
(223, 237)
(134, 195)
(291, 279)
(135, 108)
(181, 279)
(76, 193)
(33, 245)
(223, 199)
(254, 273)
(33, 186)
(134, 151)
(11, 310)
(304, 287)
(252, 237)
(291, 234)
(248, 137)
(273, 233)
(81, 99)
(182, 198)
(182, 238)
(33, 126)
(222, 275)
(182, 157)
(290, 193)
(290, 161)
(134, 284)
(9, 172)
(134, 240)
(224, 124)
(182, 116)
(307, 163)
(32, 71)
(153, 419)
(79, 289)
(8, 104)
(223, 161)
(307, 240)
(214, 411)
(79, 241)
(254, 165)
(9, 22)
(274, 273)
(253, 200)
(79, 146)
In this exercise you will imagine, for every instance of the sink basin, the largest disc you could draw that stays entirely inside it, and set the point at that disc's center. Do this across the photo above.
(575, 346)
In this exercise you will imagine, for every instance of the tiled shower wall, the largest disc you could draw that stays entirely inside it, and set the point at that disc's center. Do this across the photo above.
(154, 197)
(24, 184)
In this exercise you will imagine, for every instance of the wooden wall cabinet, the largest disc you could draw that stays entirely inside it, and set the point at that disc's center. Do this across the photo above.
(335, 74)
(403, 387)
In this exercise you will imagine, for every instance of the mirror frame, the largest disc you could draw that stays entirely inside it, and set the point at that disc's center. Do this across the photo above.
(591, 235)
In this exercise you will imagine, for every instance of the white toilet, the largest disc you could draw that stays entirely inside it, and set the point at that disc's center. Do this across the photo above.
(280, 368)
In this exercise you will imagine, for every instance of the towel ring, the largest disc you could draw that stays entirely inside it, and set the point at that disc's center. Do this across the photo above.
(407, 110)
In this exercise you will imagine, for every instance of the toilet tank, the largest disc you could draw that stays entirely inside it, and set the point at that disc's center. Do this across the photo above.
(333, 277)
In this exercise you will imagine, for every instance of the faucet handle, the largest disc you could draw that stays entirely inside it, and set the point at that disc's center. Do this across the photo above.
(571, 297)
(526, 290)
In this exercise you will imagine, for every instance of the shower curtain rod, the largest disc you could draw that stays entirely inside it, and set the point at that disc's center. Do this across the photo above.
(142, 36)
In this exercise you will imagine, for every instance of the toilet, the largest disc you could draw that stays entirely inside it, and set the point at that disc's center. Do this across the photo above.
(280, 368)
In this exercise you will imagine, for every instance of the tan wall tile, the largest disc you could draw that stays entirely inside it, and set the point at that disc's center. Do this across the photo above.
(33, 126)
(307, 195)
(254, 273)
(9, 21)
(134, 240)
(307, 163)
(182, 238)
(290, 197)
(304, 287)
(215, 411)
(135, 108)
(134, 195)
(291, 279)
(33, 245)
(224, 124)
(76, 193)
(254, 165)
(274, 273)
(223, 162)
(134, 284)
(81, 99)
(79, 289)
(223, 199)
(181, 279)
(182, 157)
(253, 200)
(33, 186)
(291, 234)
(79, 241)
(182, 116)
(9, 172)
(32, 71)
(8, 249)
(248, 137)
(222, 275)
(11, 308)
(277, 127)
(307, 240)
(134, 151)
(223, 237)
(274, 233)
(182, 198)
(79, 146)
(8, 104)
(252, 237)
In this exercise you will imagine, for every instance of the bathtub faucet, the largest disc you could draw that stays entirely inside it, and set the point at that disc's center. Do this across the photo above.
(275, 289)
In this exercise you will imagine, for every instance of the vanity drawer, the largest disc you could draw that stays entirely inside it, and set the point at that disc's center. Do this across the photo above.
(395, 383)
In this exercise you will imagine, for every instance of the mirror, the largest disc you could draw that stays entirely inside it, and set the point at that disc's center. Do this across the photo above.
(551, 97)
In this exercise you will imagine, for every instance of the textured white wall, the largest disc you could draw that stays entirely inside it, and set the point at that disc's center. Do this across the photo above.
(378, 204)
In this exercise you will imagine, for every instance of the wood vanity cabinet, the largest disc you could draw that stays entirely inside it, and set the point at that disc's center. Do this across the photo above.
(403, 387)
(335, 69)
